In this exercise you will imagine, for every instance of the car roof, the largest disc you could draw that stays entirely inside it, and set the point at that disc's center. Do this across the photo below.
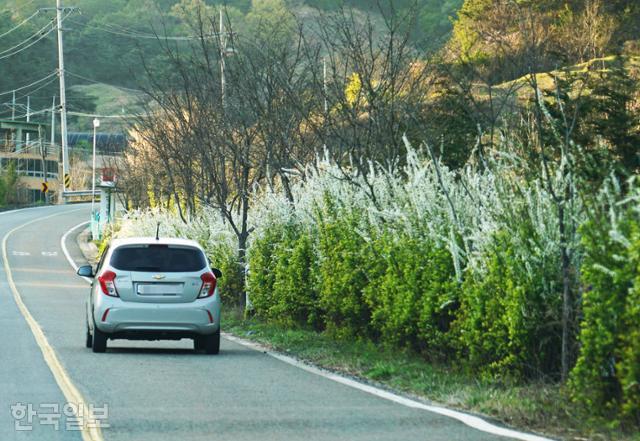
(152, 241)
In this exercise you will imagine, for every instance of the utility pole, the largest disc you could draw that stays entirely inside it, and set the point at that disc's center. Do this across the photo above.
(13, 107)
(53, 122)
(43, 154)
(96, 124)
(28, 118)
(63, 97)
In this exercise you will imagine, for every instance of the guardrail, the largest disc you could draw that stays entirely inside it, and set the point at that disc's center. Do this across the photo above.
(80, 194)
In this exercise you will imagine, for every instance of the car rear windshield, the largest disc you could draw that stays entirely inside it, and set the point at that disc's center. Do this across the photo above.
(158, 258)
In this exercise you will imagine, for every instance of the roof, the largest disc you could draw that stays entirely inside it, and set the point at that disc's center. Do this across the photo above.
(32, 125)
(153, 241)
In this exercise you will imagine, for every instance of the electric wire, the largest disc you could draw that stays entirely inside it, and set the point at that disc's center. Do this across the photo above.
(18, 26)
(38, 34)
(124, 32)
(137, 91)
(26, 44)
(17, 89)
(29, 94)
(93, 115)
(17, 9)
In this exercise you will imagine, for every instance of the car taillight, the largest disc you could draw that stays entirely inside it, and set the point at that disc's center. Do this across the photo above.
(108, 283)
(208, 285)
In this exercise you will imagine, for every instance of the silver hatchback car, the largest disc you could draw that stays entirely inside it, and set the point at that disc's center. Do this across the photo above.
(153, 289)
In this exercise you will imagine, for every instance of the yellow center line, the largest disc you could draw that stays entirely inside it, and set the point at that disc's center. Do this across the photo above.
(90, 430)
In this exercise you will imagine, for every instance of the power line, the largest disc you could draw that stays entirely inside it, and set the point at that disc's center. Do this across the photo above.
(17, 89)
(32, 113)
(92, 115)
(37, 89)
(36, 34)
(18, 26)
(124, 32)
(40, 35)
(137, 91)
(18, 9)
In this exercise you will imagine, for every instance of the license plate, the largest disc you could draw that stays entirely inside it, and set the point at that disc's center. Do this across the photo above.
(159, 289)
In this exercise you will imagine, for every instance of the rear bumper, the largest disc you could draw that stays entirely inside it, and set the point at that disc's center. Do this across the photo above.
(156, 320)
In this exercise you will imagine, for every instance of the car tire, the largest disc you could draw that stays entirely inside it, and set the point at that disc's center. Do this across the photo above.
(212, 343)
(198, 344)
(99, 343)
(89, 338)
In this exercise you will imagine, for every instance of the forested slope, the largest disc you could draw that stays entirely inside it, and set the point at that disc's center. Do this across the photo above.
(106, 40)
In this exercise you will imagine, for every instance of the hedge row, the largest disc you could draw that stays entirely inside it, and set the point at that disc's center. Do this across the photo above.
(351, 279)
(606, 378)
(503, 320)
(480, 290)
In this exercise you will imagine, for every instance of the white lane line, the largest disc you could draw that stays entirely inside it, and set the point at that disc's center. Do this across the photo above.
(2, 213)
(63, 245)
(20, 253)
(49, 253)
(51, 285)
(39, 270)
(90, 431)
(470, 420)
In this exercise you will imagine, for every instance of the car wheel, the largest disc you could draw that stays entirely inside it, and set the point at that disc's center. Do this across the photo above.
(212, 343)
(99, 343)
(198, 343)
(89, 338)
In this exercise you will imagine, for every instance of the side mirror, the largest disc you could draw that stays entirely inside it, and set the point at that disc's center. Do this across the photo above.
(216, 272)
(86, 271)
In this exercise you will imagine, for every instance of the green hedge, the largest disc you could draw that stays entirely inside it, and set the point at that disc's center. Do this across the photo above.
(346, 262)
(283, 276)
(231, 285)
(413, 295)
(502, 319)
(606, 378)
(508, 326)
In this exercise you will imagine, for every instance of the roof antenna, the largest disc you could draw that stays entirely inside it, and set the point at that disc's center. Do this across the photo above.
(158, 231)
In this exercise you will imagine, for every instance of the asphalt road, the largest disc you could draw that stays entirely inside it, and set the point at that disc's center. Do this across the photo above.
(163, 390)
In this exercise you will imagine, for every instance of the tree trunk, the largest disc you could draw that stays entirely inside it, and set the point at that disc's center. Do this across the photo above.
(567, 303)
(242, 264)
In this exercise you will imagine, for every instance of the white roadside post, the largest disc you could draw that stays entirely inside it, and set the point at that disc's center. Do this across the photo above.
(96, 124)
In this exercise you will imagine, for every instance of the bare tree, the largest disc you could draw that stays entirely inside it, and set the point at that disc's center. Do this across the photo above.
(371, 87)
(215, 139)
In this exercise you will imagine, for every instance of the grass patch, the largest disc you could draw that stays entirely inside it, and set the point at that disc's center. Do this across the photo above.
(539, 407)
(109, 100)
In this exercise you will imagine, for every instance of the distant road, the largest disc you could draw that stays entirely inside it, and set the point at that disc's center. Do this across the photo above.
(163, 390)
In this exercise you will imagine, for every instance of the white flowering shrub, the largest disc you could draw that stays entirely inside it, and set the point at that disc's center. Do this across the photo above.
(448, 263)
(208, 229)
(461, 265)
(606, 377)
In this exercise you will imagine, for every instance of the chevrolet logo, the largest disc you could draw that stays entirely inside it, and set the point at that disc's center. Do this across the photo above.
(159, 276)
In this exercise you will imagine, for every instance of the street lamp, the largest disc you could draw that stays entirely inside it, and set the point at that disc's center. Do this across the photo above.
(96, 124)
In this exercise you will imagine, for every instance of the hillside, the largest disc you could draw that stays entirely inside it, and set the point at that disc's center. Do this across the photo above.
(106, 41)
(506, 40)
